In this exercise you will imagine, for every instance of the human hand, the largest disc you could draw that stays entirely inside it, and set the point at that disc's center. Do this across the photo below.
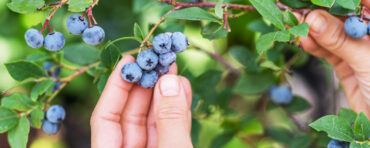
(350, 57)
(128, 115)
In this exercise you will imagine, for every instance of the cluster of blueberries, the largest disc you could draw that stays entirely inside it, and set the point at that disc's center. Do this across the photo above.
(337, 144)
(356, 28)
(54, 41)
(54, 73)
(154, 62)
(53, 119)
(280, 94)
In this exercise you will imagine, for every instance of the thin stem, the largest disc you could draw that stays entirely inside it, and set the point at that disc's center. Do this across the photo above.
(50, 4)
(61, 3)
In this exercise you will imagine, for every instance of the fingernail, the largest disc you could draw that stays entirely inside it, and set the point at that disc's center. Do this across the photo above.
(318, 24)
(169, 86)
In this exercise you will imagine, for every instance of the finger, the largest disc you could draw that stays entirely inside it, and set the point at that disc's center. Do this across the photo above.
(187, 87)
(366, 3)
(105, 127)
(171, 113)
(152, 139)
(134, 117)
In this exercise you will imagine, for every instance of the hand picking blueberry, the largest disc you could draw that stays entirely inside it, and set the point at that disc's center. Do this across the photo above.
(149, 79)
(55, 114)
(54, 41)
(162, 43)
(131, 72)
(76, 24)
(34, 38)
(147, 59)
(355, 27)
(281, 94)
(167, 59)
(93, 35)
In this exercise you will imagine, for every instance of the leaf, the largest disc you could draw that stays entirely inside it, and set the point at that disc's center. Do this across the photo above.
(336, 127)
(279, 134)
(290, 19)
(102, 81)
(361, 127)
(18, 136)
(270, 65)
(269, 10)
(25, 6)
(38, 57)
(222, 139)
(348, 115)
(22, 70)
(81, 54)
(338, 10)
(358, 145)
(40, 88)
(78, 5)
(8, 119)
(349, 4)
(219, 11)
(296, 3)
(138, 33)
(300, 30)
(301, 141)
(245, 57)
(17, 101)
(121, 39)
(196, 127)
(214, 31)
(193, 13)
(324, 3)
(36, 116)
(260, 26)
(109, 56)
(251, 125)
(254, 83)
(267, 40)
(297, 105)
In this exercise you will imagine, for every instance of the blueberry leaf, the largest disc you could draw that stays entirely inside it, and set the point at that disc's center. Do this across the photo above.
(36, 116)
(359, 145)
(297, 105)
(348, 115)
(214, 31)
(290, 19)
(245, 57)
(301, 141)
(40, 88)
(138, 33)
(194, 13)
(25, 6)
(18, 136)
(269, 10)
(324, 3)
(266, 41)
(78, 5)
(81, 54)
(17, 101)
(349, 4)
(102, 81)
(300, 30)
(361, 127)
(8, 119)
(336, 127)
(109, 56)
(22, 70)
(218, 9)
(254, 83)
(222, 139)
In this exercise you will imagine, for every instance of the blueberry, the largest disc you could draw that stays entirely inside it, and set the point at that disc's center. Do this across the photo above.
(75, 24)
(55, 114)
(281, 95)
(147, 59)
(161, 70)
(162, 43)
(54, 41)
(167, 59)
(50, 127)
(48, 65)
(34, 38)
(131, 72)
(57, 71)
(355, 27)
(93, 35)
(338, 144)
(57, 86)
(179, 42)
(148, 79)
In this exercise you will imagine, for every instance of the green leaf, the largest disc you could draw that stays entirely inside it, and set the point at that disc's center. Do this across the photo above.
(254, 83)
(8, 119)
(269, 10)
(358, 145)
(324, 3)
(109, 56)
(301, 141)
(222, 139)
(196, 127)
(193, 13)
(245, 57)
(338, 10)
(336, 127)
(102, 81)
(349, 4)
(17, 101)
(270, 65)
(266, 41)
(138, 33)
(22, 70)
(296, 3)
(25, 6)
(300, 30)
(36, 116)
(38, 57)
(361, 127)
(251, 125)
(18, 136)
(348, 115)
(219, 11)
(40, 88)
(290, 19)
(279, 134)
(214, 31)
(121, 39)
(81, 54)
(78, 5)
(260, 26)
(297, 105)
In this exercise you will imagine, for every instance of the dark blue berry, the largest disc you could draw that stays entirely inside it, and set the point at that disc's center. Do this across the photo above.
(48, 65)
(355, 27)
(76, 24)
(34, 38)
(161, 70)
(131, 72)
(147, 59)
(148, 79)
(55, 114)
(54, 41)
(162, 43)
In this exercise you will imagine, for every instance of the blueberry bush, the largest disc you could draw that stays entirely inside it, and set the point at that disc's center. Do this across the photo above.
(237, 54)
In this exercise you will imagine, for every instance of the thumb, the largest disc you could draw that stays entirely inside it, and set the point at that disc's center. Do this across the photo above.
(171, 113)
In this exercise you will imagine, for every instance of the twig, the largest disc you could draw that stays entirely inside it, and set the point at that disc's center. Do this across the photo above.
(50, 4)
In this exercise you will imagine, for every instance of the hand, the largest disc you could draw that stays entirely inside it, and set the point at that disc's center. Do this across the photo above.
(128, 115)
(350, 57)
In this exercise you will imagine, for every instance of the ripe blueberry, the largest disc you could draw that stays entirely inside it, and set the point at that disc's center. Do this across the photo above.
(147, 59)
(162, 43)
(131, 72)
(93, 35)
(55, 114)
(355, 27)
(76, 24)
(281, 95)
(167, 59)
(57, 86)
(148, 79)
(161, 70)
(54, 41)
(337, 144)
(50, 127)
(48, 65)
(34, 38)
(179, 42)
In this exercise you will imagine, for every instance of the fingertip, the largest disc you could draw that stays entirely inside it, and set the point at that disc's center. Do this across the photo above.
(187, 89)
(125, 59)
(173, 69)
(366, 3)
